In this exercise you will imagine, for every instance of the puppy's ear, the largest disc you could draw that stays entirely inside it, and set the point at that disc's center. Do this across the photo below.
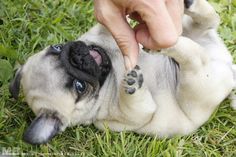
(42, 129)
(15, 84)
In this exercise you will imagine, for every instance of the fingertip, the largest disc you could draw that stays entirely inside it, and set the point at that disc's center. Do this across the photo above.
(168, 40)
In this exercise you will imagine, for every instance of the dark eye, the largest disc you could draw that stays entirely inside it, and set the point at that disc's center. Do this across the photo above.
(57, 48)
(80, 86)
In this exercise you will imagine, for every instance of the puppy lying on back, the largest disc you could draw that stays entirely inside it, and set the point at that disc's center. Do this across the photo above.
(168, 93)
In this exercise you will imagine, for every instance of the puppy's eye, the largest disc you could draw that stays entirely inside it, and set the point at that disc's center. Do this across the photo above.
(57, 48)
(80, 86)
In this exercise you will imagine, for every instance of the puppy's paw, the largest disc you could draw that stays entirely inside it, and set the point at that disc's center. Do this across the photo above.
(188, 3)
(133, 80)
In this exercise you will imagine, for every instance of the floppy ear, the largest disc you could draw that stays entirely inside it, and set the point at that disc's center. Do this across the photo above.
(42, 129)
(15, 84)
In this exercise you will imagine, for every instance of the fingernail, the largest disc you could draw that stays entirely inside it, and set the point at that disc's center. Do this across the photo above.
(128, 64)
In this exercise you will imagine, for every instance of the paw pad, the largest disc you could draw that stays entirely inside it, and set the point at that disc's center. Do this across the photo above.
(133, 80)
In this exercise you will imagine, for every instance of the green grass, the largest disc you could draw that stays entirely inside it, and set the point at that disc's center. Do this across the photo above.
(27, 26)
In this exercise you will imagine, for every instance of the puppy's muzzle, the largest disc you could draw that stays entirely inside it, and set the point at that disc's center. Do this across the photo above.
(89, 63)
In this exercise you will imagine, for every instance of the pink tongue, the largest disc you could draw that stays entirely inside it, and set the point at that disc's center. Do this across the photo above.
(96, 56)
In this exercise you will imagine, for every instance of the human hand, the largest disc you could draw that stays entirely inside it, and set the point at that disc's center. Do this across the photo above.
(160, 24)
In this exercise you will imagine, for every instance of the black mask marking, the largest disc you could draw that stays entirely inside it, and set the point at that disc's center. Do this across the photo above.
(79, 64)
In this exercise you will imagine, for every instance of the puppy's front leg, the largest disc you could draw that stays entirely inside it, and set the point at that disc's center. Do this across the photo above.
(203, 82)
(135, 107)
(189, 54)
(195, 79)
(136, 101)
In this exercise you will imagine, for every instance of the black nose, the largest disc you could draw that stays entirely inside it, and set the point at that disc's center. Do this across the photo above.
(79, 57)
(78, 63)
(79, 54)
(78, 48)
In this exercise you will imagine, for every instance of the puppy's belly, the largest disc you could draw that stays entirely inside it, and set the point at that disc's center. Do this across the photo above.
(201, 93)
(169, 119)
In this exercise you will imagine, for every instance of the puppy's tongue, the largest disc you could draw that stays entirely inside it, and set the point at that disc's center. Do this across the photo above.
(96, 56)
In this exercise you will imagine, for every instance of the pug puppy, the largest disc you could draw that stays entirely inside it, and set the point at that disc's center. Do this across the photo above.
(172, 92)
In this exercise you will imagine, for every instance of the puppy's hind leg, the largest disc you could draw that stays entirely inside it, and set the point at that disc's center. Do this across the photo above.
(202, 13)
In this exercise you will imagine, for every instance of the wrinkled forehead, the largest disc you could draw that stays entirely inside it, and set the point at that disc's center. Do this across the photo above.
(41, 62)
(42, 69)
(39, 57)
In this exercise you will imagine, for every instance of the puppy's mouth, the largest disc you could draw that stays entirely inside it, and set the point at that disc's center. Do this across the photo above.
(96, 56)
(89, 63)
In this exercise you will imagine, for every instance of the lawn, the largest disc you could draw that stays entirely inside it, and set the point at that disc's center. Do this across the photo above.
(27, 26)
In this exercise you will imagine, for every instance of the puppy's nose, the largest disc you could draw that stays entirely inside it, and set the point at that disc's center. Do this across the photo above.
(79, 48)
(78, 53)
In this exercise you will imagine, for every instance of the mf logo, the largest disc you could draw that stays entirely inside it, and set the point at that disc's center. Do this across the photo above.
(10, 151)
